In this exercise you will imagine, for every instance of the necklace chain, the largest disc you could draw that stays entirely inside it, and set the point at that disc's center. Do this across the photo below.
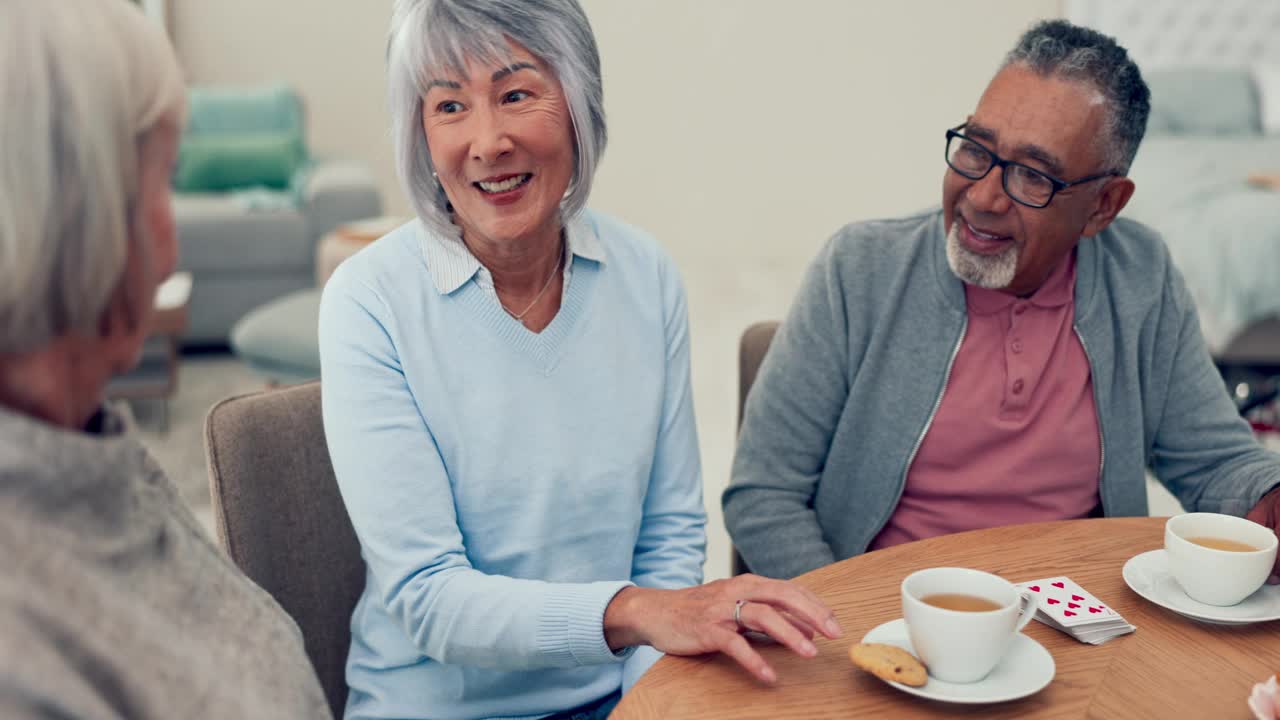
(520, 315)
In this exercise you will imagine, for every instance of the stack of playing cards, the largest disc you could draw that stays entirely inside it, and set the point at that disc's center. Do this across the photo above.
(1064, 605)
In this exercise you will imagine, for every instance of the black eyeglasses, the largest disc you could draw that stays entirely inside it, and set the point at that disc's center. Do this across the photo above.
(1026, 185)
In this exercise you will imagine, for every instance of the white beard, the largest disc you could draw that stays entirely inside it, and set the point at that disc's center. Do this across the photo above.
(989, 271)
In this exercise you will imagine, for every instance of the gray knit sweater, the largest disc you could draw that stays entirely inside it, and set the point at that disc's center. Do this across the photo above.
(114, 603)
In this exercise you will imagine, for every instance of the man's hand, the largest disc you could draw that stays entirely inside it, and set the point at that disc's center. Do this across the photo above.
(700, 619)
(1267, 513)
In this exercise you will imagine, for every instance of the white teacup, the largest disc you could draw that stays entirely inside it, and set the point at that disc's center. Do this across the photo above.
(1218, 577)
(957, 645)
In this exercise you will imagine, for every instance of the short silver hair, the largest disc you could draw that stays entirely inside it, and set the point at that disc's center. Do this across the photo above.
(83, 82)
(1056, 48)
(432, 37)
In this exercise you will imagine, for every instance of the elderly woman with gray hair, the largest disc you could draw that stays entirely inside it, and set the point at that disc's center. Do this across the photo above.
(113, 602)
(507, 400)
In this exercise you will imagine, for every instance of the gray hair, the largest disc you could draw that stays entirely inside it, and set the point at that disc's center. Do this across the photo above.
(1056, 48)
(83, 82)
(430, 37)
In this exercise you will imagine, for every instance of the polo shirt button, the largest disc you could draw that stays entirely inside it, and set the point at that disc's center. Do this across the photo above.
(1019, 309)
(1017, 387)
(1017, 346)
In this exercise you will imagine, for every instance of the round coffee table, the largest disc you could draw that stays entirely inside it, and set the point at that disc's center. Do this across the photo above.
(1172, 667)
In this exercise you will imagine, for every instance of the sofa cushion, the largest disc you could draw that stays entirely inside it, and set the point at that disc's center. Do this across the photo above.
(225, 161)
(237, 110)
(241, 137)
(221, 232)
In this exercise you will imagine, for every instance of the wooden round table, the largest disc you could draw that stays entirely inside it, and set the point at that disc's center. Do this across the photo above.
(1172, 667)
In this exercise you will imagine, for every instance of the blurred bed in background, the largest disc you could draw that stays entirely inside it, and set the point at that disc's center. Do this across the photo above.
(1208, 172)
(1205, 142)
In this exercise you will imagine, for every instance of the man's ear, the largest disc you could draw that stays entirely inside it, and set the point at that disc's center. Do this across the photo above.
(1114, 196)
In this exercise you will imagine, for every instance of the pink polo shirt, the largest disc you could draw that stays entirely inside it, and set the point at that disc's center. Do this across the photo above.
(1016, 437)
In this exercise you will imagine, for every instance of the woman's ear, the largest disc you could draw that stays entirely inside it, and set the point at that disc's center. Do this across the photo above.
(151, 248)
(129, 308)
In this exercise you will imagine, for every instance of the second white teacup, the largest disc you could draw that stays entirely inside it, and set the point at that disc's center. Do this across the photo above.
(961, 645)
(1219, 559)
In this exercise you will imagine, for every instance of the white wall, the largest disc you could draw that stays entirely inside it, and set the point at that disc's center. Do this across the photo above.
(743, 132)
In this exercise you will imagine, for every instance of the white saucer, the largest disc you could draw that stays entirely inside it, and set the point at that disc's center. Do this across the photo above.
(1148, 574)
(1024, 671)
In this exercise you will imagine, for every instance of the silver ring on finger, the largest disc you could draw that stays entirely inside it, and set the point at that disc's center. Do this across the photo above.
(737, 616)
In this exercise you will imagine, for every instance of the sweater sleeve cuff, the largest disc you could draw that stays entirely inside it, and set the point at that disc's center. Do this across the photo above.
(571, 627)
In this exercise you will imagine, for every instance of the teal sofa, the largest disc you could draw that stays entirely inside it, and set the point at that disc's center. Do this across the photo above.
(245, 240)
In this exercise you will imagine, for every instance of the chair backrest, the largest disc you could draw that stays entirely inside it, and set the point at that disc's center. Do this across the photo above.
(751, 351)
(280, 517)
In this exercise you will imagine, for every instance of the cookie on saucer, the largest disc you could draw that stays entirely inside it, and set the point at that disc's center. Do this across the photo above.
(889, 662)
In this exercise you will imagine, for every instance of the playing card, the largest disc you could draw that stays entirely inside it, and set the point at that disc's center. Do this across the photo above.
(1067, 603)
(1066, 606)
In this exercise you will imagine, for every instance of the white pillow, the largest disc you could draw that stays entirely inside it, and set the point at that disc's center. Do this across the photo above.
(1267, 78)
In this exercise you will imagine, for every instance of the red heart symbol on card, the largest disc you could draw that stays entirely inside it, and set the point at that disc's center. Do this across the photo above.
(1053, 602)
(1094, 610)
(1077, 598)
(1034, 588)
(1072, 605)
(1068, 613)
(1058, 585)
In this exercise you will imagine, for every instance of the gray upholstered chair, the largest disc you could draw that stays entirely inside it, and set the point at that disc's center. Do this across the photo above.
(751, 350)
(279, 515)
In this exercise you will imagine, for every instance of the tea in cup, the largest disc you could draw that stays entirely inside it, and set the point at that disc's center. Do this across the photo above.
(962, 622)
(1219, 559)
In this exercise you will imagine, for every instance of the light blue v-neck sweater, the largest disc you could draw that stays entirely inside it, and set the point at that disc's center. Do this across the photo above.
(505, 485)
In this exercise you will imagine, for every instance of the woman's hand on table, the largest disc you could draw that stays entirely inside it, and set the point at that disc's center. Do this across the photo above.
(701, 620)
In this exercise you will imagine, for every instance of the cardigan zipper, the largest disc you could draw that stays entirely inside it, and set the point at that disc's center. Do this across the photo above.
(946, 379)
(1097, 411)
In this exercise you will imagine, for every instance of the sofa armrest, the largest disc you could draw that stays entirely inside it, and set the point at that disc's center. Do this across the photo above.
(331, 193)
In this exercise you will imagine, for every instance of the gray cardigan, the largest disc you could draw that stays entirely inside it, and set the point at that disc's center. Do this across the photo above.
(857, 370)
(113, 601)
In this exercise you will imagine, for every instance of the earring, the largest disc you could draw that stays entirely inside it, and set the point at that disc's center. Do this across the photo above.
(448, 206)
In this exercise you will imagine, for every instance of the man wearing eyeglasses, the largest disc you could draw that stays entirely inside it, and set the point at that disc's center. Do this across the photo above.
(1020, 355)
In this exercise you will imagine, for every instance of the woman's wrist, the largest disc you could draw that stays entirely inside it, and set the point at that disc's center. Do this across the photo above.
(622, 617)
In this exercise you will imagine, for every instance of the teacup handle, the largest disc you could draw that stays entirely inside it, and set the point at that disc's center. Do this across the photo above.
(1027, 603)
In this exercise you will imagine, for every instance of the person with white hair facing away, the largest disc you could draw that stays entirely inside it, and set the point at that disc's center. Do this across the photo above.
(507, 400)
(113, 601)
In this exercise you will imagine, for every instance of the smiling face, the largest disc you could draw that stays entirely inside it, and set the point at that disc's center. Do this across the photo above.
(1052, 125)
(501, 140)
